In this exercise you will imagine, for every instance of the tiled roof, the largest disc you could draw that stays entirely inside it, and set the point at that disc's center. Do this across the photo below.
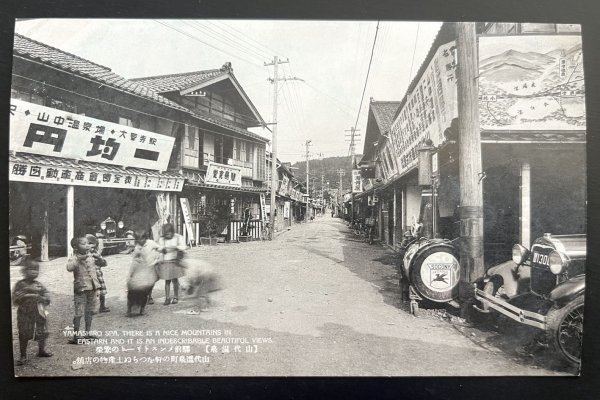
(169, 83)
(43, 53)
(78, 165)
(37, 51)
(384, 112)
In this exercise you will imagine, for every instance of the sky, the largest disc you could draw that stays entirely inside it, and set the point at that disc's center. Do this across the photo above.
(330, 57)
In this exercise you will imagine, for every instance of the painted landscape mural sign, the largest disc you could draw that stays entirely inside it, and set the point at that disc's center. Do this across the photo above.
(531, 83)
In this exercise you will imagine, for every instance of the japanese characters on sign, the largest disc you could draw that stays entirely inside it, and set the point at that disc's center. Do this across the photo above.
(284, 187)
(224, 174)
(531, 83)
(47, 131)
(428, 110)
(356, 181)
(187, 217)
(29, 172)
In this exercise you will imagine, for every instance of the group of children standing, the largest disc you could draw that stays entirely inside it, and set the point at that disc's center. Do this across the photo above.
(151, 261)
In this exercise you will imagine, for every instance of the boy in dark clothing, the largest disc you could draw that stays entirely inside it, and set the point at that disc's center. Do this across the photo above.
(31, 297)
(100, 263)
(85, 287)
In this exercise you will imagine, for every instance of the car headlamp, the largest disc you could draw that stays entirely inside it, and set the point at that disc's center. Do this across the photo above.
(120, 224)
(558, 262)
(519, 254)
(103, 225)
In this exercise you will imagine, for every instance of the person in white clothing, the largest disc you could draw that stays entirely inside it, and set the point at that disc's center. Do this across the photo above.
(172, 246)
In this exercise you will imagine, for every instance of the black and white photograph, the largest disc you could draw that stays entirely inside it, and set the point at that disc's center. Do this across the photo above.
(213, 197)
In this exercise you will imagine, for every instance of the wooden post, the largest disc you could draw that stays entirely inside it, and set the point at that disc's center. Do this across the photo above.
(525, 214)
(70, 218)
(471, 198)
(44, 245)
(395, 216)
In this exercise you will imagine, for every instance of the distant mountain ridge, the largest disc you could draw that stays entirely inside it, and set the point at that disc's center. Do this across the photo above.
(327, 167)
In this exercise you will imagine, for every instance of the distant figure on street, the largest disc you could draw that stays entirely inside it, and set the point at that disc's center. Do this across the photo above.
(170, 269)
(85, 287)
(142, 273)
(31, 298)
(100, 263)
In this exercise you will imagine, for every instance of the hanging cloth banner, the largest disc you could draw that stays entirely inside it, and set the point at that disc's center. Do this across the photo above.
(187, 217)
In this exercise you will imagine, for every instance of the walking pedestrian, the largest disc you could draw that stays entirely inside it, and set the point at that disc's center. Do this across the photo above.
(31, 298)
(100, 263)
(85, 287)
(170, 269)
(142, 273)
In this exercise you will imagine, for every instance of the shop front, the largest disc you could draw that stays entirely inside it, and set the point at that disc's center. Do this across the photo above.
(66, 178)
(223, 205)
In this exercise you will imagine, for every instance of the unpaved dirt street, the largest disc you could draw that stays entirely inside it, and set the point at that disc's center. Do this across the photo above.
(316, 301)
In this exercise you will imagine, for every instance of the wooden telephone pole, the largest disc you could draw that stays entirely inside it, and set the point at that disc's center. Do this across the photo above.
(353, 136)
(274, 174)
(307, 144)
(470, 170)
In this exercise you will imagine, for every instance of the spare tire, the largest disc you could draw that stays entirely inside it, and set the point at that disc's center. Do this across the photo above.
(435, 271)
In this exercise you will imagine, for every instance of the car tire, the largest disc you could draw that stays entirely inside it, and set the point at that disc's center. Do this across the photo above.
(565, 330)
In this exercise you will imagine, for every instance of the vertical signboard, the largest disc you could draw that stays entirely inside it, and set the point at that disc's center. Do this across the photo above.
(286, 210)
(187, 218)
(356, 181)
(263, 208)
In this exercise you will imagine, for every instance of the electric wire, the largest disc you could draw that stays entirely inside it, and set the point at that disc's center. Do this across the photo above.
(138, 111)
(366, 80)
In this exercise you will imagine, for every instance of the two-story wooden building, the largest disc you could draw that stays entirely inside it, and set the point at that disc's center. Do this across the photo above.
(222, 161)
(533, 134)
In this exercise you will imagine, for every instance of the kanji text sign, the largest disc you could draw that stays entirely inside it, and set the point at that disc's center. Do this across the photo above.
(47, 131)
(29, 172)
(224, 174)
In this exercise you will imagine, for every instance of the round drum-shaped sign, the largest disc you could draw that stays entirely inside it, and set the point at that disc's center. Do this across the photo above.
(436, 272)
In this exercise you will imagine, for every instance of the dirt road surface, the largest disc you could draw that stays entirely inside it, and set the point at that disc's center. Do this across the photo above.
(316, 301)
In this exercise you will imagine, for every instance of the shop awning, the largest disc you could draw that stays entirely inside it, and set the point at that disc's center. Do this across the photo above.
(200, 183)
(65, 171)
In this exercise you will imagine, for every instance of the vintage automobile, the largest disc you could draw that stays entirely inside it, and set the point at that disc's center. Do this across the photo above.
(542, 287)
(114, 237)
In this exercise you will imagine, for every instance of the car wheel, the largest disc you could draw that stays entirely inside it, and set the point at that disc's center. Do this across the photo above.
(565, 330)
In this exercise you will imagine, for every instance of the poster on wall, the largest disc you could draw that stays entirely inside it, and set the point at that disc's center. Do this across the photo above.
(532, 82)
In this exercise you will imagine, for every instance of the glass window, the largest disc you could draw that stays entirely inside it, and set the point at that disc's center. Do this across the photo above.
(538, 28)
(125, 121)
(568, 28)
(191, 137)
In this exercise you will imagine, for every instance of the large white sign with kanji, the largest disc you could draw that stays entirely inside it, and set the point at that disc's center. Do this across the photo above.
(65, 175)
(47, 131)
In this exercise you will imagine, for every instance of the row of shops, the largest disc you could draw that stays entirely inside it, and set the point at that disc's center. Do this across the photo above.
(89, 147)
(533, 135)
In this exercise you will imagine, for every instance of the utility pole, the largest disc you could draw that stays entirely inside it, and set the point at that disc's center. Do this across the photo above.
(470, 173)
(353, 136)
(307, 144)
(341, 173)
(274, 174)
